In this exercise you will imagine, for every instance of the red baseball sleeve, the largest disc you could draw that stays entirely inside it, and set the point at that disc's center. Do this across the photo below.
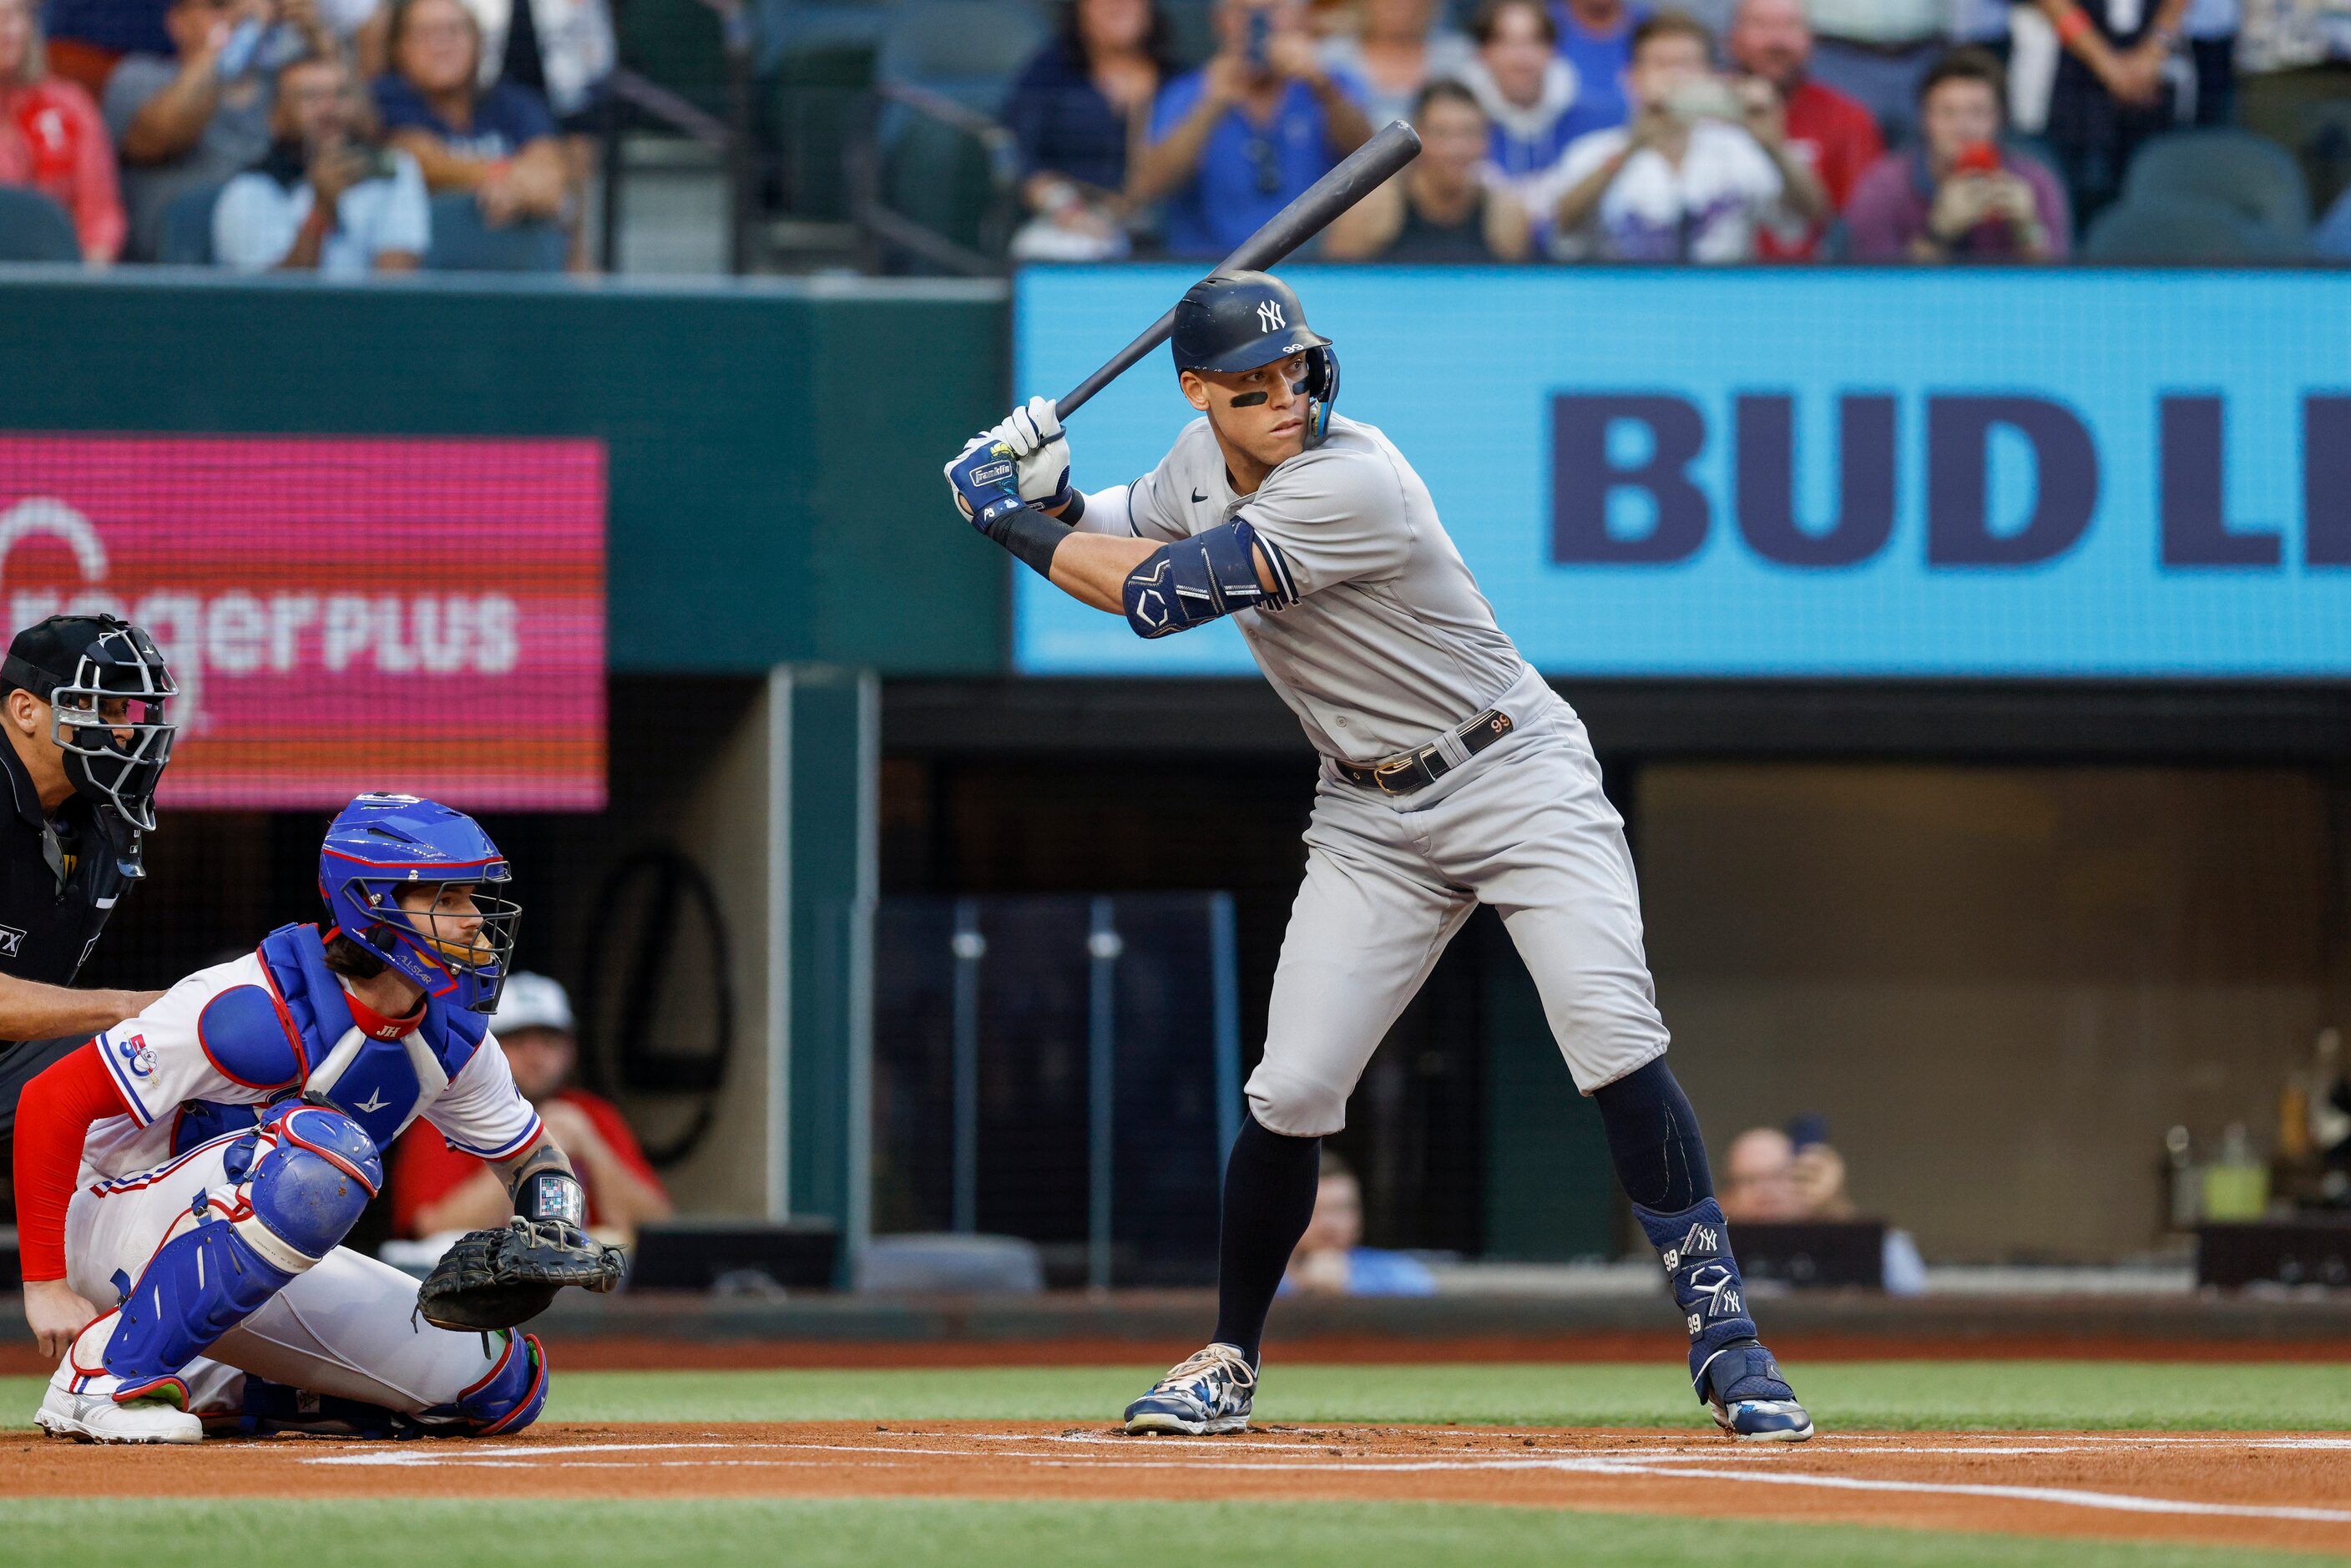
(53, 1118)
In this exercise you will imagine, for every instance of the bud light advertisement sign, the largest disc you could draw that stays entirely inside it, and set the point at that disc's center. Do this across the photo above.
(1804, 472)
(340, 614)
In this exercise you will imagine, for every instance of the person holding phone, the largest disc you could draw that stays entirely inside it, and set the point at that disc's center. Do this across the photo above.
(1701, 171)
(1959, 195)
(193, 119)
(1232, 144)
(323, 199)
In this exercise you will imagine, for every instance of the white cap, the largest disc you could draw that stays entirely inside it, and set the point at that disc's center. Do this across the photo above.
(532, 1001)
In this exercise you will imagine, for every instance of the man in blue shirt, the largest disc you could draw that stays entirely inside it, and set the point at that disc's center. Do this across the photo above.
(1233, 142)
(1596, 36)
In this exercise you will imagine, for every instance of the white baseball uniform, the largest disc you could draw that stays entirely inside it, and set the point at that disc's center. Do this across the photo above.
(348, 1326)
(1390, 647)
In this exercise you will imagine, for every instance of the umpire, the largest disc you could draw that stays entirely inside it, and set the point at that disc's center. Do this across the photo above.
(82, 703)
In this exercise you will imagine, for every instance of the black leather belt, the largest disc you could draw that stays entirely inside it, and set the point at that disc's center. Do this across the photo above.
(1409, 770)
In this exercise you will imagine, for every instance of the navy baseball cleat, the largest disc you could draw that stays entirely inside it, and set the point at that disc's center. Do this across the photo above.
(1204, 1395)
(1751, 1400)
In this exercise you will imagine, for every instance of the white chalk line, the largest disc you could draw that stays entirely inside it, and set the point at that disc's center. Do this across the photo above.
(1655, 1466)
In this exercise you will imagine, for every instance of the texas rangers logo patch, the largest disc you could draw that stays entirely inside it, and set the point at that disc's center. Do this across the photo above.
(137, 1055)
(12, 942)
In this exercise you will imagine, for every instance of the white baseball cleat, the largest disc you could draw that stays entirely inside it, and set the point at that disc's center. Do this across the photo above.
(81, 1400)
(96, 1418)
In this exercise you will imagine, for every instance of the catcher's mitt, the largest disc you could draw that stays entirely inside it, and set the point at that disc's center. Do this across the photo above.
(497, 1279)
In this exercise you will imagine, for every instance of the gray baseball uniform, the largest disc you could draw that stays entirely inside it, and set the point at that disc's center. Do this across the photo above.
(1390, 647)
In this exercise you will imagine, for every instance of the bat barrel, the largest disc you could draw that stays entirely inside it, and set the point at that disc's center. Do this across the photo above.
(1395, 145)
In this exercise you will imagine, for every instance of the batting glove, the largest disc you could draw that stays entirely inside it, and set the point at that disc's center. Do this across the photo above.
(1034, 434)
(986, 480)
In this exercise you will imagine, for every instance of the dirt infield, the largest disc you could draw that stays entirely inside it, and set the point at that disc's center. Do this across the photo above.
(2282, 1490)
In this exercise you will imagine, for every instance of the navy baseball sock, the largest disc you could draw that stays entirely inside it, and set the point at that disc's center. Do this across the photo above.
(1269, 1183)
(1653, 1135)
(1653, 1138)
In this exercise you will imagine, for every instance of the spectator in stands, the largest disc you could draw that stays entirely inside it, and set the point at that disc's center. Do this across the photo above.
(437, 1190)
(1759, 1179)
(1396, 47)
(1770, 1177)
(1701, 171)
(2115, 89)
(86, 38)
(1075, 110)
(1596, 37)
(2211, 27)
(1234, 141)
(1446, 205)
(1526, 87)
(1960, 196)
(324, 200)
(1831, 134)
(1331, 1261)
(52, 139)
(191, 121)
(564, 52)
(498, 142)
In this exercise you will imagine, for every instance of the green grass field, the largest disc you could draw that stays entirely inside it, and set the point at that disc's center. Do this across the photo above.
(1021, 1535)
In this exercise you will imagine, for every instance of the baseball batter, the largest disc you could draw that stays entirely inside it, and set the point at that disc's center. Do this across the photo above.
(1452, 775)
(195, 1168)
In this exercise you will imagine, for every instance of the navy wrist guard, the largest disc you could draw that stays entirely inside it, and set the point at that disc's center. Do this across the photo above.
(1030, 535)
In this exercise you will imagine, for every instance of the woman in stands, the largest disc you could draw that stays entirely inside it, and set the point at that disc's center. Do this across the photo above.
(498, 142)
(52, 139)
(1076, 109)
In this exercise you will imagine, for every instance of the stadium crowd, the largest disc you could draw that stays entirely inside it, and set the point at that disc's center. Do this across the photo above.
(1600, 131)
(335, 136)
(346, 136)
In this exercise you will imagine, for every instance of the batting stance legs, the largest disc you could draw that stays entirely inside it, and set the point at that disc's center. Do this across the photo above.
(1523, 827)
(238, 1307)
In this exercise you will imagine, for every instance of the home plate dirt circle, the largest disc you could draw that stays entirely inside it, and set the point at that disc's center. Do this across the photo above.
(2279, 1489)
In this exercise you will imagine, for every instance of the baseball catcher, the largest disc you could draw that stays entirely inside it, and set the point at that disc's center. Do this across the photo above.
(232, 1129)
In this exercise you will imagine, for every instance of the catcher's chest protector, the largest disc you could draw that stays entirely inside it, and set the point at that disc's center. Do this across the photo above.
(382, 1084)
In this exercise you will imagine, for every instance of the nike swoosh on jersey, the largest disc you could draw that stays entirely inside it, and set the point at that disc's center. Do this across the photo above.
(1198, 498)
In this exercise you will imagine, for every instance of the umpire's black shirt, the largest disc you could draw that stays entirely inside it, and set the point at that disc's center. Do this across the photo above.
(59, 878)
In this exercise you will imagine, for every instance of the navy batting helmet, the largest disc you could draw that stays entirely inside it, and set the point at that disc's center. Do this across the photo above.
(1239, 321)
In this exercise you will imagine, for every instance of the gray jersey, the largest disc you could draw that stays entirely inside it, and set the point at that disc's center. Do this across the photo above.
(1390, 644)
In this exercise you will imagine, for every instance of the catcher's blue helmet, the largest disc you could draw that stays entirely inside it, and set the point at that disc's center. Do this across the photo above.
(379, 843)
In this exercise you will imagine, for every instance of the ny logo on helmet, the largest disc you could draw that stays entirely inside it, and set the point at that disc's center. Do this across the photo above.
(1269, 317)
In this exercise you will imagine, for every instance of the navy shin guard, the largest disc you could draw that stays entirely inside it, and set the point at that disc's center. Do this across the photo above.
(1695, 1247)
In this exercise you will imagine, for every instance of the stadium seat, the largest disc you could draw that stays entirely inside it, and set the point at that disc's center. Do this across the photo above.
(2250, 174)
(186, 239)
(939, 176)
(819, 99)
(966, 50)
(680, 45)
(34, 228)
(2181, 230)
(462, 242)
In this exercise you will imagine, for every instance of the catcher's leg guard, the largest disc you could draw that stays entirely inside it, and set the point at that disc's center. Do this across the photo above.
(315, 1174)
(509, 1398)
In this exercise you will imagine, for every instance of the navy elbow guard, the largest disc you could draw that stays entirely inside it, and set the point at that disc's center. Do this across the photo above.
(1193, 581)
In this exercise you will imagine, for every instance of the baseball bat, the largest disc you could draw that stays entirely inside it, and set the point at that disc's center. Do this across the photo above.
(1355, 177)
